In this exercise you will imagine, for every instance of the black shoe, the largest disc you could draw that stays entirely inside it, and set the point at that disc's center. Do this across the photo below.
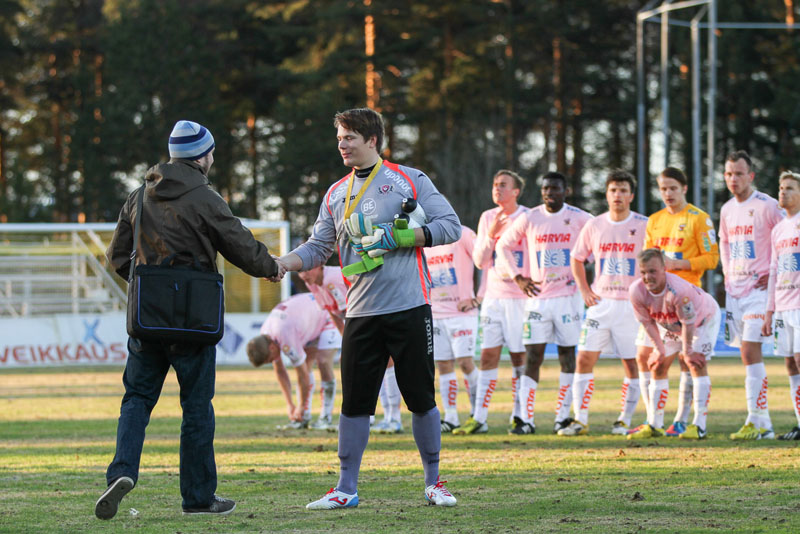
(447, 427)
(218, 506)
(564, 423)
(524, 428)
(516, 422)
(108, 503)
(793, 434)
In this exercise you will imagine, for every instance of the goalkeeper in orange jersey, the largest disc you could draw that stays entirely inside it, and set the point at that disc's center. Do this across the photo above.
(686, 235)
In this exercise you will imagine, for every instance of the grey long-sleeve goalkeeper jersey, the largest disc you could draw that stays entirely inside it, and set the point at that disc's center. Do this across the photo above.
(403, 282)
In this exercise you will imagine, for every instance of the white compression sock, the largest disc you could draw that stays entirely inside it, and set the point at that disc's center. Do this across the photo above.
(755, 388)
(659, 393)
(702, 395)
(448, 389)
(392, 395)
(794, 393)
(684, 397)
(564, 399)
(629, 400)
(519, 370)
(644, 387)
(527, 398)
(471, 383)
(582, 391)
(487, 382)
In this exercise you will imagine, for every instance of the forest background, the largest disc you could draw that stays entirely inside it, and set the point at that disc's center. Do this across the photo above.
(90, 89)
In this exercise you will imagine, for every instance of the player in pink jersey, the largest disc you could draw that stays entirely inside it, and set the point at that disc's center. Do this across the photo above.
(679, 318)
(784, 290)
(614, 239)
(503, 305)
(745, 228)
(554, 308)
(455, 321)
(330, 293)
(296, 333)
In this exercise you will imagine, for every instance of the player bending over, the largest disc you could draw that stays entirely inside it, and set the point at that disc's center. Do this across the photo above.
(680, 319)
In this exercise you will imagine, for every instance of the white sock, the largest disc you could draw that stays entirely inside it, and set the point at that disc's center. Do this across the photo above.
(629, 400)
(702, 394)
(471, 383)
(659, 393)
(309, 400)
(755, 387)
(527, 398)
(328, 398)
(794, 393)
(519, 371)
(564, 395)
(684, 397)
(448, 389)
(392, 395)
(582, 390)
(487, 382)
(644, 386)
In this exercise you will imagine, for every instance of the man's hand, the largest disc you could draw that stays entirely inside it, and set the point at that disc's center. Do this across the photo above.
(465, 305)
(655, 360)
(762, 282)
(498, 225)
(281, 270)
(290, 410)
(387, 237)
(527, 285)
(297, 413)
(695, 360)
(766, 327)
(590, 298)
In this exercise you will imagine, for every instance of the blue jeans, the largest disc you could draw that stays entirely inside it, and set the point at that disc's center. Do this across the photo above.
(145, 371)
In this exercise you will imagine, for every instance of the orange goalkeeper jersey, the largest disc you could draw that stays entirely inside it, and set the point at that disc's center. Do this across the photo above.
(686, 235)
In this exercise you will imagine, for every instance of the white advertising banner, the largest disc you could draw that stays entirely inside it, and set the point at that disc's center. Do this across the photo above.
(100, 339)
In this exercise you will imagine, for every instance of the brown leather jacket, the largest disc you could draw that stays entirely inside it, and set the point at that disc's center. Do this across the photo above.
(183, 214)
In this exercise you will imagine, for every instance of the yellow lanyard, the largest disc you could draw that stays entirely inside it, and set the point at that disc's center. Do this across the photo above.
(348, 210)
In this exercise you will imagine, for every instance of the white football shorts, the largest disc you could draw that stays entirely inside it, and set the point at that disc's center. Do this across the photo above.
(554, 320)
(501, 323)
(744, 317)
(786, 330)
(454, 337)
(610, 327)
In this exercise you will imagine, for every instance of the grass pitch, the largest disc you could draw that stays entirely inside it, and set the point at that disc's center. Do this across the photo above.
(58, 429)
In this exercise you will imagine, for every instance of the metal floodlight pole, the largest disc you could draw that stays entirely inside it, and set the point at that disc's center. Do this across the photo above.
(712, 97)
(665, 82)
(697, 172)
(641, 107)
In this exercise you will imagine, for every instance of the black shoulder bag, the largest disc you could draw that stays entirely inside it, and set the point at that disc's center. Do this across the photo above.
(173, 304)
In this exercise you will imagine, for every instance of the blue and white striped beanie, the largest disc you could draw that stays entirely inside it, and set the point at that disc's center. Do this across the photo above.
(189, 140)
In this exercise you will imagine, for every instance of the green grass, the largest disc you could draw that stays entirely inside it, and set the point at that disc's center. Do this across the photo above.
(57, 431)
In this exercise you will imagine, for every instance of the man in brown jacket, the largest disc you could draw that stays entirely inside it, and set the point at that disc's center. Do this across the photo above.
(181, 213)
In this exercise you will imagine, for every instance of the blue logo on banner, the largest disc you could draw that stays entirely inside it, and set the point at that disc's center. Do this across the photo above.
(618, 266)
(443, 277)
(230, 340)
(789, 262)
(91, 332)
(553, 258)
(743, 250)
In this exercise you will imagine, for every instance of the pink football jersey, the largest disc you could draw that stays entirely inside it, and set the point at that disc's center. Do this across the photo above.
(550, 238)
(293, 324)
(745, 229)
(614, 246)
(784, 272)
(452, 271)
(680, 303)
(332, 294)
(499, 282)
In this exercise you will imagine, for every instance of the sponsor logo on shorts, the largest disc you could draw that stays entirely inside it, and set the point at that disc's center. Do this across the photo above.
(534, 316)
(429, 335)
(592, 323)
(462, 333)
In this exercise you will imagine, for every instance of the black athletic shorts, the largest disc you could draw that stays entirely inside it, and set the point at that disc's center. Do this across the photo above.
(367, 343)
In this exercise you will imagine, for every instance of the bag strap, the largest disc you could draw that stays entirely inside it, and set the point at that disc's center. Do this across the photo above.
(137, 230)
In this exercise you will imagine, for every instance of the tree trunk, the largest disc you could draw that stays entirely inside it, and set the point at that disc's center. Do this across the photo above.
(558, 91)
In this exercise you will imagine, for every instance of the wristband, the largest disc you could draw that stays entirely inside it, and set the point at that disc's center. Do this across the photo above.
(428, 237)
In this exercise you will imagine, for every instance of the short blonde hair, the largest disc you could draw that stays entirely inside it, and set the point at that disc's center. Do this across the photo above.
(519, 181)
(789, 175)
(650, 254)
(258, 350)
